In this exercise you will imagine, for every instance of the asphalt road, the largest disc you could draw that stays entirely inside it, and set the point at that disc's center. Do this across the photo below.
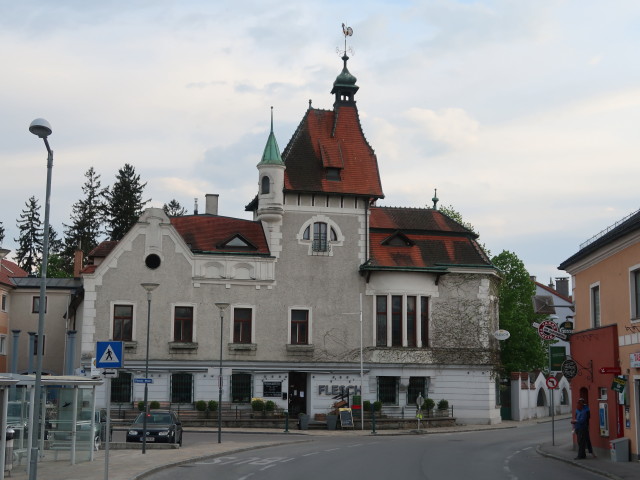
(496, 454)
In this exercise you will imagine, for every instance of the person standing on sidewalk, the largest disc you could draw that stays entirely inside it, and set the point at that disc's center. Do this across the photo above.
(581, 427)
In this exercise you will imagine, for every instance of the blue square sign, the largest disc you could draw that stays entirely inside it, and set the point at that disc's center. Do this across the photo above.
(109, 355)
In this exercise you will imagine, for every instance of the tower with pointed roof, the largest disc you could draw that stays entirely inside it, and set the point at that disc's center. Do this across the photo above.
(270, 190)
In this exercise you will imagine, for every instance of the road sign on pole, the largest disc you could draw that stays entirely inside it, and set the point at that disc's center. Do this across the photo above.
(109, 355)
(552, 382)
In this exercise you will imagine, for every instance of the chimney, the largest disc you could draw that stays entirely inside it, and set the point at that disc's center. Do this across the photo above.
(195, 206)
(78, 257)
(562, 286)
(211, 206)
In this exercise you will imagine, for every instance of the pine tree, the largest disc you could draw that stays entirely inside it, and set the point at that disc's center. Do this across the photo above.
(30, 238)
(87, 219)
(174, 209)
(124, 202)
(1, 234)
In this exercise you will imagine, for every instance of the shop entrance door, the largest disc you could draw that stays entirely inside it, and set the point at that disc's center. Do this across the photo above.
(297, 393)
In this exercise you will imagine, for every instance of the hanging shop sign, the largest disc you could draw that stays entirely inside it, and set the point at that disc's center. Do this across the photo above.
(618, 384)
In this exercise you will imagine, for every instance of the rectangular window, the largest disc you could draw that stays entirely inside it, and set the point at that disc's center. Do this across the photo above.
(123, 323)
(241, 387)
(35, 304)
(635, 294)
(299, 327)
(417, 387)
(388, 390)
(424, 321)
(381, 321)
(3, 344)
(320, 243)
(595, 306)
(242, 325)
(396, 320)
(183, 324)
(4, 302)
(412, 326)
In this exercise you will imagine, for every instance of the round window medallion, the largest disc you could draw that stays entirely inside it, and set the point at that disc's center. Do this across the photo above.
(152, 261)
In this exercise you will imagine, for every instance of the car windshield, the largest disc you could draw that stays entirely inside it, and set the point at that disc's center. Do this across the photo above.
(152, 418)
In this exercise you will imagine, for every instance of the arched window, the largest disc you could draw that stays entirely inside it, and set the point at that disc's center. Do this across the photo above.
(181, 388)
(121, 388)
(542, 398)
(320, 230)
(265, 186)
(564, 397)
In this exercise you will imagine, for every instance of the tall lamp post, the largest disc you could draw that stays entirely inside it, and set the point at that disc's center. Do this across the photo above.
(222, 307)
(42, 129)
(149, 287)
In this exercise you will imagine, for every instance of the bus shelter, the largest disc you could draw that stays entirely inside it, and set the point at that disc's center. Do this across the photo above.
(70, 427)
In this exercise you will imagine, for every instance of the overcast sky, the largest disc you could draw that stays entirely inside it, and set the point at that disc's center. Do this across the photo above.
(523, 114)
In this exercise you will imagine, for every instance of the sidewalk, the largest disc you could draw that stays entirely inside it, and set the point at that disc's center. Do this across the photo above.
(132, 465)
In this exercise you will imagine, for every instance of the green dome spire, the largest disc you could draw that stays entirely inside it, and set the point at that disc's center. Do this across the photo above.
(271, 155)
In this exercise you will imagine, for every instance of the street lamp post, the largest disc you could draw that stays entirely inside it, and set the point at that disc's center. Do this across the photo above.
(149, 287)
(222, 307)
(42, 129)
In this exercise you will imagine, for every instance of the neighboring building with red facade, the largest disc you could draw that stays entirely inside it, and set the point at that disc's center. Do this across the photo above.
(606, 345)
(8, 271)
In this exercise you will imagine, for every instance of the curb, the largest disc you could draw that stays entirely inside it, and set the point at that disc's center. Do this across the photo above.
(577, 464)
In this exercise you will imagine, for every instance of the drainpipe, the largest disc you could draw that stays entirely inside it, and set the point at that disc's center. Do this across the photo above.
(71, 351)
(32, 349)
(14, 351)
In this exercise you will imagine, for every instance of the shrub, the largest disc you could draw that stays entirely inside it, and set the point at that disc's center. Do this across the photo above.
(141, 406)
(269, 405)
(377, 406)
(213, 405)
(201, 405)
(366, 405)
(443, 404)
(154, 404)
(257, 404)
(429, 404)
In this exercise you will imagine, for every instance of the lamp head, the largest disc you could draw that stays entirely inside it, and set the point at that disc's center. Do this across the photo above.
(222, 306)
(40, 127)
(149, 287)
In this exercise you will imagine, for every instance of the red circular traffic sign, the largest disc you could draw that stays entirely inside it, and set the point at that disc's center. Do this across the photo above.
(547, 329)
(552, 382)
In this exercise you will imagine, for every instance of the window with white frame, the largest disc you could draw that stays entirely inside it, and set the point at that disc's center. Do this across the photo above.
(321, 234)
(300, 326)
(122, 322)
(3, 344)
(242, 325)
(402, 320)
(595, 305)
(4, 305)
(634, 284)
(35, 304)
(183, 323)
(388, 390)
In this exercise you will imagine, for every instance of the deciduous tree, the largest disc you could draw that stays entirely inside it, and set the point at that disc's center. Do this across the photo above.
(523, 351)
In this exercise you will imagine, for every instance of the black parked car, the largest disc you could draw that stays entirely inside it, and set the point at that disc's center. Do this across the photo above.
(163, 426)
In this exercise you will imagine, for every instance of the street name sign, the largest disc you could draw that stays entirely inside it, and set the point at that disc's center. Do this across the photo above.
(109, 355)
(143, 380)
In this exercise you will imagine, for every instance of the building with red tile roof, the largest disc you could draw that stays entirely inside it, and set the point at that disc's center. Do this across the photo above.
(318, 255)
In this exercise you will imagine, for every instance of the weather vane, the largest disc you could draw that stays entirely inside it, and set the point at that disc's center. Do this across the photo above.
(347, 32)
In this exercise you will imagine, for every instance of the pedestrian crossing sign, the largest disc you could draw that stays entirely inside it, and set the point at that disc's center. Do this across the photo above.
(109, 355)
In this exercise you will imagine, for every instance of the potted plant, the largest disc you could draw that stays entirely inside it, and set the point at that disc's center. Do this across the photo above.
(269, 407)
(443, 407)
(377, 406)
(367, 406)
(154, 405)
(257, 405)
(212, 405)
(429, 405)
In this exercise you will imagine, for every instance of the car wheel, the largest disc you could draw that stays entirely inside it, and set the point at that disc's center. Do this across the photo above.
(180, 443)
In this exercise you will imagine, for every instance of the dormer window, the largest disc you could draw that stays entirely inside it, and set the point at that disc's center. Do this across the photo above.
(237, 241)
(333, 174)
(398, 239)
